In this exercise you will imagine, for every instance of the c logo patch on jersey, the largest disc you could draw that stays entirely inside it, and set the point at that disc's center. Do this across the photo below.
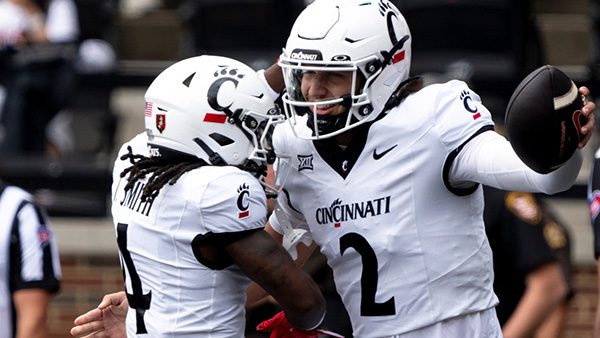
(524, 206)
(465, 97)
(242, 201)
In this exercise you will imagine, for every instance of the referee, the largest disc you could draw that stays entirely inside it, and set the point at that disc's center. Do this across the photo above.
(29, 265)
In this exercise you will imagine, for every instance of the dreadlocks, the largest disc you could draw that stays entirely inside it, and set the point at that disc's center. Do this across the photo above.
(163, 172)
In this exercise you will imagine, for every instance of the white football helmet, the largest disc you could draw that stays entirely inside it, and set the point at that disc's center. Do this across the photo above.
(214, 108)
(368, 38)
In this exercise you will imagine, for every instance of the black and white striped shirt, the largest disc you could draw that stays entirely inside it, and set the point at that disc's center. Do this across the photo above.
(28, 252)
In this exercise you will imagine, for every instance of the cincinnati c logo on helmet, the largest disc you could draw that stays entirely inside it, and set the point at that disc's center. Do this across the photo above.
(242, 200)
(392, 20)
(386, 11)
(225, 74)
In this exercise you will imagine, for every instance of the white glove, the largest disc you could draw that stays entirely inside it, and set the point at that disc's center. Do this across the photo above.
(291, 237)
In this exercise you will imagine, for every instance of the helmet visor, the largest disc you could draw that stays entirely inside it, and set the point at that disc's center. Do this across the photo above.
(333, 76)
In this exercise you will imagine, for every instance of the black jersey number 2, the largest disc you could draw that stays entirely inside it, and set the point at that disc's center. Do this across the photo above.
(138, 300)
(369, 277)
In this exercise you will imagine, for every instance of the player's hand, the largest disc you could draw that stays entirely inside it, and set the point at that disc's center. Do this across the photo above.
(105, 321)
(588, 111)
(281, 328)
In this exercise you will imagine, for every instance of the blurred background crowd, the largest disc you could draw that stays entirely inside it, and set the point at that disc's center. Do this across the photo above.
(73, 74)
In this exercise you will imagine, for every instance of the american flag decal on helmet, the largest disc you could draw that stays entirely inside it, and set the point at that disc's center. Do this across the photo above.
(148, 110)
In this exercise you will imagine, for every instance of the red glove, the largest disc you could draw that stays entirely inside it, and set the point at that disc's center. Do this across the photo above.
(281, 328)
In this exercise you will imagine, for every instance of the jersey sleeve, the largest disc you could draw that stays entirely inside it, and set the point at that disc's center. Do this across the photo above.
(594, 201)
(34, 260)
(232, 203)
(279, 138)
(272, 93)
(459, 114)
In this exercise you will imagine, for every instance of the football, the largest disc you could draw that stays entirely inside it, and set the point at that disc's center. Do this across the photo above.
(543, 118)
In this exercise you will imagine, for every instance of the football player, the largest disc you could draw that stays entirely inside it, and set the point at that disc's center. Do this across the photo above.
(189, 208)
(387, 181)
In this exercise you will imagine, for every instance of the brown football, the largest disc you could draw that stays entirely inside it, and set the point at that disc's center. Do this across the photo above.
(543, 118)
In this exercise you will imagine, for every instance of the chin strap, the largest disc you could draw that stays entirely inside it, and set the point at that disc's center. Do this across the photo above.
(327, 124)
(388, 55)
(258, 170)
(214, 158)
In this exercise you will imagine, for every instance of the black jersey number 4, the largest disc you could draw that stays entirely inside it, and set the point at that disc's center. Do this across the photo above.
(138, 301)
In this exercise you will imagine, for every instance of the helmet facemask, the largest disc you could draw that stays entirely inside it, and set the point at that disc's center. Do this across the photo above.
(259, 129)
(355, 103)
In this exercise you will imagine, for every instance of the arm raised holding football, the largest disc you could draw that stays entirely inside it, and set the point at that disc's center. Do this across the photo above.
(548, 118)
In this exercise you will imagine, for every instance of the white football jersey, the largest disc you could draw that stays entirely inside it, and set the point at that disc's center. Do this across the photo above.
(406, 249)
(172, 294)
